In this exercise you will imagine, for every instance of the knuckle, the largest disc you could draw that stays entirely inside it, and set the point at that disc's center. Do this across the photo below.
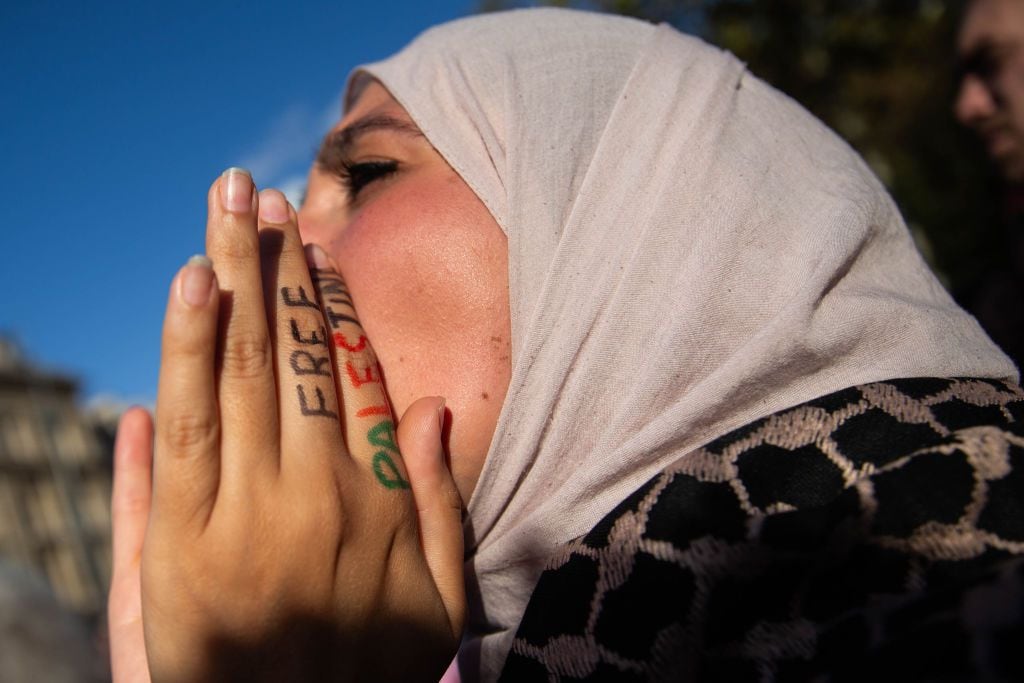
(186, 343)
(129, 503)
(321, 504)
(232, 244)
(393, 509)
(245, 356)
(451, 499)
(186, 431)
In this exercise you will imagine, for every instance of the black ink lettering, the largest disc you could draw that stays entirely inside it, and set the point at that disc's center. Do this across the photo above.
(312, 339)
(313, 364)
(303, 300)
(323, 274)
(342, 300)
(321, 411)
(335, 291)
(334, 287)
(335, 319)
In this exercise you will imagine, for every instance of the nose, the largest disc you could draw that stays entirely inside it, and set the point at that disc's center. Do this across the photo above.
(307, 224)
(322, 211)
(974, 101)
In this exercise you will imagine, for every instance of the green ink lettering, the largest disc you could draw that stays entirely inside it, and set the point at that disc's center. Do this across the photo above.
(383, 435)
(390, 479)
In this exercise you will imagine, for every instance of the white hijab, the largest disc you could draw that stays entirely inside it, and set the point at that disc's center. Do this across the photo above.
(689, 250)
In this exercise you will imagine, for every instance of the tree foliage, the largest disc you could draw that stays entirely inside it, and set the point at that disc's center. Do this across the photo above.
(882, 75)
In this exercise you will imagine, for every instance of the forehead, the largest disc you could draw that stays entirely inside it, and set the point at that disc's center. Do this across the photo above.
(371, 98)
(991, 21)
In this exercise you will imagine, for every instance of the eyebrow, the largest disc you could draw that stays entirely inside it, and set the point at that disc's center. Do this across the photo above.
(338, 145)
(978, 58)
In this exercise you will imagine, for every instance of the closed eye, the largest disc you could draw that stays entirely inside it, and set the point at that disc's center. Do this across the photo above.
(356, 176)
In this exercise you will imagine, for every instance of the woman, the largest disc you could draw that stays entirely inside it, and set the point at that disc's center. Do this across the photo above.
(652, 291)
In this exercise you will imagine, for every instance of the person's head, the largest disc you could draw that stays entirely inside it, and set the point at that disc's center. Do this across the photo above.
(504, 205)
(608, 244)
(426, 264)
(990, 99)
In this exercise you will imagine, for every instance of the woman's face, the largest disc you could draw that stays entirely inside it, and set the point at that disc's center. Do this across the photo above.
(427, 266)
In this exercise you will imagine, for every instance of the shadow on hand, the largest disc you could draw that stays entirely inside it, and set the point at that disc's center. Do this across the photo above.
(307, 648)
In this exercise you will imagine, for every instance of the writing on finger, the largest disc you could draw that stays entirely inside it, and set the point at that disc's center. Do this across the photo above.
(382, 435)
(308, 362)
(362, 374)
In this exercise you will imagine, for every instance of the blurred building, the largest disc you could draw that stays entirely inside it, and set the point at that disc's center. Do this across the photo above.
(55, 480)
(39, 639)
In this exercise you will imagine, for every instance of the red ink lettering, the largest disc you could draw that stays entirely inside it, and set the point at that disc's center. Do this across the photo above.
(357, 381)
(341, 341)
(374, 410)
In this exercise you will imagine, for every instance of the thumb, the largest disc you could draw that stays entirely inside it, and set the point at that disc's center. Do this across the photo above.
(438, 504)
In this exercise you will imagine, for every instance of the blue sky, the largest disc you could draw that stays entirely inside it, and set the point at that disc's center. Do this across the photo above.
(114, 119)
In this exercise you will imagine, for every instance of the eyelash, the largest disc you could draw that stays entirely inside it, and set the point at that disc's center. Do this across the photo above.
(356, 176)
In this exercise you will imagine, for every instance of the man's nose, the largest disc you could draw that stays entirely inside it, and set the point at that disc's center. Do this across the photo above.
(974, 101)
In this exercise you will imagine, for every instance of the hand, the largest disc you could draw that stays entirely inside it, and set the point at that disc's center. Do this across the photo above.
(288, 539)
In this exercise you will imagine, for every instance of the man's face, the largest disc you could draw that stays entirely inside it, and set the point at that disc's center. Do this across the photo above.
(991, 97)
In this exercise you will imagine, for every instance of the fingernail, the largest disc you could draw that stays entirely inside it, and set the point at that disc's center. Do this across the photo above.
(273, 206)
(440, 415)
(197, 280)
(236, 190)
(317, 257)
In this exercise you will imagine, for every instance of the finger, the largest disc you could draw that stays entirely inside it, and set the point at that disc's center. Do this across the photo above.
(129, 504)
(438, 504)
(247, 395)
(187, 467)
(308, 403)
(367, 424)
(133, 460)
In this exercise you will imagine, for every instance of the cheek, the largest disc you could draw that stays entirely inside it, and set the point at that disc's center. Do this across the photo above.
(426, 265)
(1013, 93)
(419, 259)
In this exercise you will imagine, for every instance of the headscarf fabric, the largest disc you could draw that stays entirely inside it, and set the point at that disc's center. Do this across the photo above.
(689, 250)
